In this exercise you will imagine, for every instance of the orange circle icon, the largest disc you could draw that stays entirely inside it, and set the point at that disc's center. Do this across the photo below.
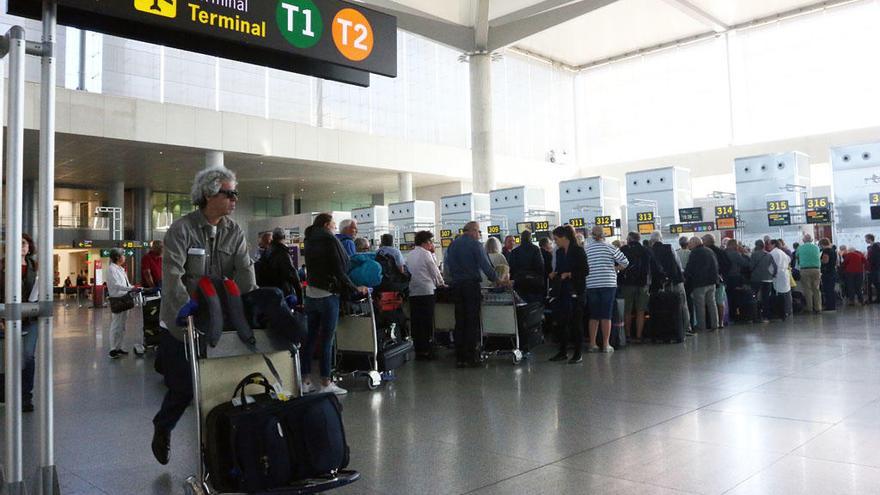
(353, 35)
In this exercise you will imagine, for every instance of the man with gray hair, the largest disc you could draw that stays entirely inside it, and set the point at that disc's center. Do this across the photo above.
(810, 261)
(204, 242)
(668, 270)
(348, 230)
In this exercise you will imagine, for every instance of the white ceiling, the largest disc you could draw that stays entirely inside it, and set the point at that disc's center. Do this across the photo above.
(616, 29)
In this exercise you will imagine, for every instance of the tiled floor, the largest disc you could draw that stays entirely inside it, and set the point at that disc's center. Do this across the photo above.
(785, 408)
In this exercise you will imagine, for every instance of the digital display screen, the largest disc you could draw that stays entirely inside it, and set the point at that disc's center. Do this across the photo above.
(875, 213)
(726, 223)
(409, 237)
(577, 223)
(779, 219)
(603, 221)
(523, 226)
(608, 231)
(781, 205)
(445, 243)
(645, 217)
(690, 215)
(819, 215)
(728, 211)
(647, 228)
(406, 247)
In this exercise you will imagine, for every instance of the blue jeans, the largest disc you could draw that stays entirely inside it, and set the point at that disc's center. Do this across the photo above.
(28, 359)
(322, 315)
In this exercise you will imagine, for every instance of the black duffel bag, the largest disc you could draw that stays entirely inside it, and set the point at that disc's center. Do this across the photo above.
(263, 443)
(121, 304)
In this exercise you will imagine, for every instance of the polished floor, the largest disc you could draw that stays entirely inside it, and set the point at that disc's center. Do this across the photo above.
(784, 408)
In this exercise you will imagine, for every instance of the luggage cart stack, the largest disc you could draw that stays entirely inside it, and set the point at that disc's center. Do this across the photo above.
(217, 371)
(499, 323)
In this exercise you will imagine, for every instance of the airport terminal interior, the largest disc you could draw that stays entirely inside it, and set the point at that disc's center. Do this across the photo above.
(470, 247)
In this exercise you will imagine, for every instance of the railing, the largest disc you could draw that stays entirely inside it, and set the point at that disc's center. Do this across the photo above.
(95, 223)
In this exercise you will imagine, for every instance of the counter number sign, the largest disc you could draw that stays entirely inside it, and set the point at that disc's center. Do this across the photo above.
(875, 199)
(577, 223)
(603, 221)
(446, 234)
(542, 226)
(644, 217)
(817, 203)
(493, 229)
(727, 211)
(781, 205)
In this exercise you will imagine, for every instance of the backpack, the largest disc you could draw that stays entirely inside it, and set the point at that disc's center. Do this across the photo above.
(393, 280)
(636, 273)
(365, 271)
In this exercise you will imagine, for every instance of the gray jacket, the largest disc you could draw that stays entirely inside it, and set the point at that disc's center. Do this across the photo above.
(190, 254)
(763, 267)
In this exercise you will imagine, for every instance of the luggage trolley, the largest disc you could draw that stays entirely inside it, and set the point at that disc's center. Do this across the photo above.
(499, 319)
(217, 371)
(356, 334)
(150, 301)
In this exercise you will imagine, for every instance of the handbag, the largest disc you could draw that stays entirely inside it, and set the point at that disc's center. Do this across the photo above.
(121, 304)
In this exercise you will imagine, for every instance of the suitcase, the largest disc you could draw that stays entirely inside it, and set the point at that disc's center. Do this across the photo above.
(530, 321)
(151, 321)
(780, 305)
(665, 324)
(395, 355)
(268, 444)
(746, 305)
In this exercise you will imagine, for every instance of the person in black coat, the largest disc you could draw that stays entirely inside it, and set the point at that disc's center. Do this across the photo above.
(569, 282)
(527, 270)
(275, 268)
(546, 253)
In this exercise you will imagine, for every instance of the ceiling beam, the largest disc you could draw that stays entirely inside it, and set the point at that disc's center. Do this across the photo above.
(512, 32)
(529, 11)
(434, 28)
(698, 14)
(481, 25)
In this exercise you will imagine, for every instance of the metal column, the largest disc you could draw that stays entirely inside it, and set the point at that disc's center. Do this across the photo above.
(14, 480)
(48, 475)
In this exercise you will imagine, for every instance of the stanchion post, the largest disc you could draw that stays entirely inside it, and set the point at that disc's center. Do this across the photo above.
(48, 476)
(14, 482)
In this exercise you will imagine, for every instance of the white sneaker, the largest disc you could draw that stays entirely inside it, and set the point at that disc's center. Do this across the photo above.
(608, 350)
(334, 388)
(308, 388)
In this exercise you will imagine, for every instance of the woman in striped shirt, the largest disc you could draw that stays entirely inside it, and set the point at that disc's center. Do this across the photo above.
(604, 261)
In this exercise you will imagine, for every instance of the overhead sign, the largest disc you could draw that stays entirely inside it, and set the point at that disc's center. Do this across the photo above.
(726, 211)
(874, 199)
(645, 217)
(647, 228)
(691, 228)
(445, 243)
(725, 223)
(577, 223)
(690, 215)
(523, 226)
(608, 231)
(494, 229)
(781, 205)
(820, 215)
(817, 203)
(779, 219)
(103, 244)
(542, 226)
(409, 237)
(330, 39)
(603, 221)
(446, 234)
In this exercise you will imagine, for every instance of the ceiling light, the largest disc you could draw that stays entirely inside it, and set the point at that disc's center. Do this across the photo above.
(161, 152)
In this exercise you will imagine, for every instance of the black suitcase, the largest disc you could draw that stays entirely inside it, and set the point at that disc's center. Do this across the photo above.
(530, 322)
(395, 355)
(746, 305)
(269, 444)
(665, 323)
(151, 322)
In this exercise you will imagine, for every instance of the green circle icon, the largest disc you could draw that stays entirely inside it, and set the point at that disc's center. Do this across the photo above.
(300, 22)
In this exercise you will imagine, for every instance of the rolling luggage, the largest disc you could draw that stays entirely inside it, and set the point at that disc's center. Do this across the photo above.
(665, 324)
(395, 355)
(530, 322)
(746, 304)
(151, 321)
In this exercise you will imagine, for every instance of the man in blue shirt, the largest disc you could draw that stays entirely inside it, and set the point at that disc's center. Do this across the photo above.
(348, 230)
(465, 259)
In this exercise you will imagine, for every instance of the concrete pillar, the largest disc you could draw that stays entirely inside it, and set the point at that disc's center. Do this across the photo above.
(379, 199)
(143, 224)
(116, 199)
(405, 186)
(213, 159)
(482, 133)
(289, 204)
(30, 205)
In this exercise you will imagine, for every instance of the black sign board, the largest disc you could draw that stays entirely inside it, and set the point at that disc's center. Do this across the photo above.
(494, 230)
(874, 199)
(645, 217)
(577, 223)
(102, 244)
(725, 211)
(690, 215)
(875, 213)
(817, 203)
(604, 221)
(523, 226)
(819, 215)
(330, 39)
(691, 228)
(779, 205)
(542, 226)
(446, 234)
(779, 219)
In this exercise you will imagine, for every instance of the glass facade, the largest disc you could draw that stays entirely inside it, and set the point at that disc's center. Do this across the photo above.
(168, 207)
